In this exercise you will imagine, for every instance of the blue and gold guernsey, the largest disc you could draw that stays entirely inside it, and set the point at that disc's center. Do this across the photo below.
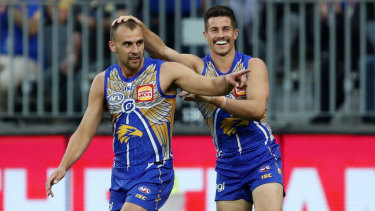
(232, 135)
(247, 154)
(142, 119)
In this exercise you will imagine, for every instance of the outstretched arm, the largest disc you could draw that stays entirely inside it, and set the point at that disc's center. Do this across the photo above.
(173, 73)
(158, 49)
(257, 93)
(82, 137)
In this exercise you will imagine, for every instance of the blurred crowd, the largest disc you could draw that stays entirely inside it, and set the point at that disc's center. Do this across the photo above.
(83, 14)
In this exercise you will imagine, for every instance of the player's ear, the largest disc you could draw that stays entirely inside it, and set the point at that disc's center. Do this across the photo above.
(205, 35)
(112, 46)
(235, 34)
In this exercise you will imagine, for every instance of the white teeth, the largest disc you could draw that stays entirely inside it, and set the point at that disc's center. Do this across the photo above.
(221, 42)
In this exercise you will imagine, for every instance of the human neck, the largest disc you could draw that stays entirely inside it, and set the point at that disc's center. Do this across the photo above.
(223, 62)
(128, 73)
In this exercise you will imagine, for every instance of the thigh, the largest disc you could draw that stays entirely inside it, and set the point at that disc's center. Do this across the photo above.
(132, 207)
(268, 197)
(235, 205)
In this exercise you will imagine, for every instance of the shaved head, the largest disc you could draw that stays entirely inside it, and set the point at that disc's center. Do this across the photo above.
(131, 24)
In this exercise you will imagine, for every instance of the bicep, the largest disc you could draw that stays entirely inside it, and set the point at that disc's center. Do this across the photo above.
(191, 61)
(95, 109)
(257, 82)
(185, 78)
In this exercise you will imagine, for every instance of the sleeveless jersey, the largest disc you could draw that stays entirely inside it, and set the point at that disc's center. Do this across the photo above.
(233, 135)
(141, 116)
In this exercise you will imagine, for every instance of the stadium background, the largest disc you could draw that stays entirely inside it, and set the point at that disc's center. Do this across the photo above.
(328, 164)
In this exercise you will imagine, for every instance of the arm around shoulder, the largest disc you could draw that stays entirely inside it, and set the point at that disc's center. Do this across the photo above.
(187, 79)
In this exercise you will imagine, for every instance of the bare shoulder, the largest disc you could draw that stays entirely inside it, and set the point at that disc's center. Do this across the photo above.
(97, 85)
(257, 65)
(256, 62)
(197, 63)
(99, 78)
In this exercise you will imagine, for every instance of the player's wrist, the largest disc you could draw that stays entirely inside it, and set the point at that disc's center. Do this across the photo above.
(224, 102)
(212, 99)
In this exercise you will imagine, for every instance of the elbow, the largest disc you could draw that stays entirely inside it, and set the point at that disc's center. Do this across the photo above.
(256, 115)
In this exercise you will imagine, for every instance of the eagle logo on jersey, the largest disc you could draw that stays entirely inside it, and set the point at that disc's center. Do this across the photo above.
(231, 124)
(125, 132)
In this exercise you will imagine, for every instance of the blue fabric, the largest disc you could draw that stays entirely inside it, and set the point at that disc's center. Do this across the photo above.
(239, 176)
(150, 190)
(18, 34)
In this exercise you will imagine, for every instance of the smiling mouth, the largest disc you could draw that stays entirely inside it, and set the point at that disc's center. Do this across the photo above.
(221, 42)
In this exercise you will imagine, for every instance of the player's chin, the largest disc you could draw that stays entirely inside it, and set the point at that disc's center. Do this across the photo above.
(222, 52)
(134, 62)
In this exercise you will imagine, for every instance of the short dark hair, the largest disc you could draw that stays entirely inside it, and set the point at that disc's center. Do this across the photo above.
(217, 11)
(131, 24)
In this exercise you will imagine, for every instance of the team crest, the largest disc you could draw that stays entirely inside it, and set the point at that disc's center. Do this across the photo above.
(145, 93)
(239, 92)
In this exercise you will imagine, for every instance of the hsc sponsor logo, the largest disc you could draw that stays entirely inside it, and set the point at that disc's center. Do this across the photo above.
(115, 98)
(140, 196)
(144, 189)
(145, 93)
(265, 176)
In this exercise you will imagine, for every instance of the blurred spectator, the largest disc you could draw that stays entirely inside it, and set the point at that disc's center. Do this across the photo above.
(17, 61)
(90, 19)
(81, 19)
(247, 9)
(369, 116)
(326, 26)
(170, 16)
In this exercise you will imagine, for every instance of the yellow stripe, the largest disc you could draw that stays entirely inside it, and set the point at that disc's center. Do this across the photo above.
(278, 168)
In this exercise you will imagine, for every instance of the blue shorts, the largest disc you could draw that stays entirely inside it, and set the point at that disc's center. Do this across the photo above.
(150, 190)
(237, 177)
